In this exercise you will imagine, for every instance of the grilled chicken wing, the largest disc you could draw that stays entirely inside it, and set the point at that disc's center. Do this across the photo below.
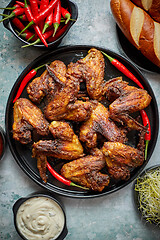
(91, 70)
(78, 111)
(86, 171)
(67, 94)
(47, 85)
(27, 117)
(99, 122)
(66, 144)
(126, 99)
(121, 158)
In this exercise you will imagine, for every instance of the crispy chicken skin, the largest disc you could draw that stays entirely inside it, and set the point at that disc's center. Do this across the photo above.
(120, 158)
(46, 85)
(27, 117)
(126, 99)
(66, 144)
(99, 122)
(86, 171)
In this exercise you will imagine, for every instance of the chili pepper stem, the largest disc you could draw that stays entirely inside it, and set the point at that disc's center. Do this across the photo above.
(31, 37)
(4, 15)
(110, 58)
(68, 16)
(31, 44)
(37, 68)
(29, 24)
(46, 25)
(146, 149)
(75, 185)
(56, 25)
(9, 16)
(9, 8)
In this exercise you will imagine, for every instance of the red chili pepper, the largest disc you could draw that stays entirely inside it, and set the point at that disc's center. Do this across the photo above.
(34, 7)
(16, 12)
(57, 17)
(58, 34)
(28, 36)
(23, 18)
(146, 122)
(123, 69)
(65, 14)
(48, 22)
(62, 179)
(20, 3)
(41, 16)
(46, 35)
(36, 28)
(19, 24)
(43, 5)
(25, 80)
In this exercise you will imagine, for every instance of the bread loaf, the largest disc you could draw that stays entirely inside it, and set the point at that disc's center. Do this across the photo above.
(151, 6)
(139, 28)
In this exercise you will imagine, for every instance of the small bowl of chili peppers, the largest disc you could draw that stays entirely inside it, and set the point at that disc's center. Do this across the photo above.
(2, 143)
(40, 23)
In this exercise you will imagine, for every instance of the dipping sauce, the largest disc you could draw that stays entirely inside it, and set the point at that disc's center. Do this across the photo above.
(40, 218)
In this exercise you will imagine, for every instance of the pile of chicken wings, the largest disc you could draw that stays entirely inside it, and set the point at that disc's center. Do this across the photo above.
(76, 127)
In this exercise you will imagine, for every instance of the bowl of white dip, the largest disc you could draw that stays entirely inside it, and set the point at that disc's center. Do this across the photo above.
(40, 216)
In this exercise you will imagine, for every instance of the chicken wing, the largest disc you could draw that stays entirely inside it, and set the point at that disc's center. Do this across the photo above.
(99, 122)
(78, 111)
(90, 69)
(86, 171)
(27, 117)
(66, 144)
(47, 85)
(121, 158)
(126, 99)
(67, 94)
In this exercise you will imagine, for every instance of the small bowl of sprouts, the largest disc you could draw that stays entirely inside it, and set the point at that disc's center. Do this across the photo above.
(147, 194)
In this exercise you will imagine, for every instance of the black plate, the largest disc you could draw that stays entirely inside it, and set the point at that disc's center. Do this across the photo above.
(22, 153)
(136, 193)
(134, 54)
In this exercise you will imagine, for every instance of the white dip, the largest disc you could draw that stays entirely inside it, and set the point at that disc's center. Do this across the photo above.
(40, 218)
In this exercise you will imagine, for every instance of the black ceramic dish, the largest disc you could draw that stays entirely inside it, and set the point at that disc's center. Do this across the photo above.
(20, 201)
(2, 142)
(22, 153)
(71, 6)
(135, 55)
(136, 193)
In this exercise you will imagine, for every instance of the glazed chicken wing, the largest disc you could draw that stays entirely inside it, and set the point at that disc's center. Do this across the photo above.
(126, 99)
(27, 117)
(86, 171)
(66, 144)
(99, 122)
